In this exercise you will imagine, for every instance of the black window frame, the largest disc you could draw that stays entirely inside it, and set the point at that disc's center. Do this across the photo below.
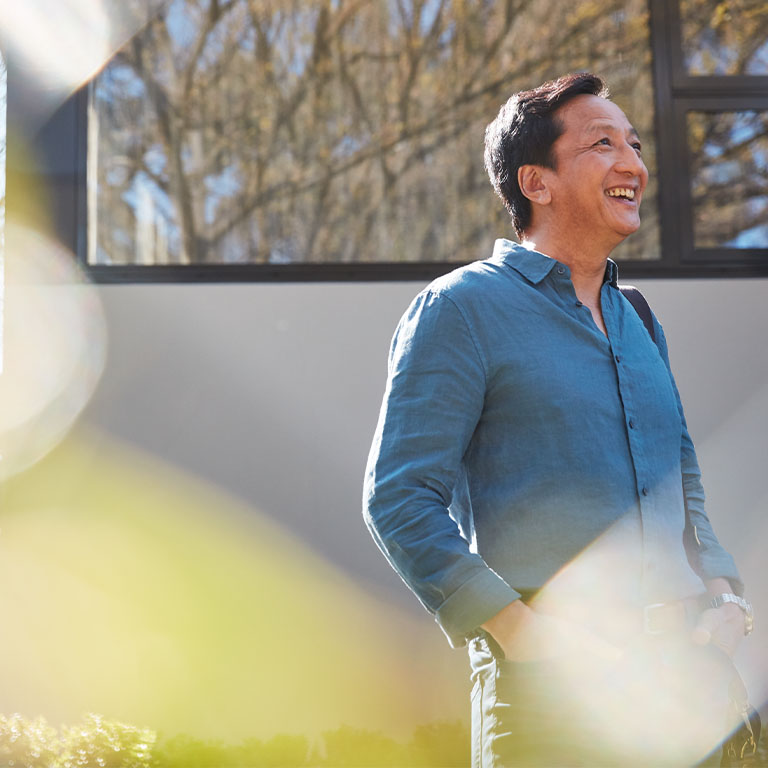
(60, 145)
(676, 93)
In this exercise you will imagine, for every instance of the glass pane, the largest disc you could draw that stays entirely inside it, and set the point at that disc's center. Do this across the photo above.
(296, 132)
(729, 178)
(725, 38)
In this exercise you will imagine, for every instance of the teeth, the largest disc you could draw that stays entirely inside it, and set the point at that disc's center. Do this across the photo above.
(621, 192)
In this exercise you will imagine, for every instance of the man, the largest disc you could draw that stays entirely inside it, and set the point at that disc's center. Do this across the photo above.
(531, 468)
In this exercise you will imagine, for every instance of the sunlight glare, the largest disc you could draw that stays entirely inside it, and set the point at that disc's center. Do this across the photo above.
(54, 347)
(61, 43)
(659, 696)
(141, 592)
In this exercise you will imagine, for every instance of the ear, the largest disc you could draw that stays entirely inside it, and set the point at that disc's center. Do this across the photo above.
(533, 185)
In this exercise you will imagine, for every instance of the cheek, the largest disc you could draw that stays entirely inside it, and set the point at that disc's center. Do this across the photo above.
(644, 177)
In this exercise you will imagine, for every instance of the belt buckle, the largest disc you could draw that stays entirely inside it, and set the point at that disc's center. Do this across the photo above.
(647, 611)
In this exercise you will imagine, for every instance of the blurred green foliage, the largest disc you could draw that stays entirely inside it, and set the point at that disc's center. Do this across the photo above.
(94, 743)
(27, 743)
(100, 743)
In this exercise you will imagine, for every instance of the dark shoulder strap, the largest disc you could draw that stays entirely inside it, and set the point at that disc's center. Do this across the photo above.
(640, 305)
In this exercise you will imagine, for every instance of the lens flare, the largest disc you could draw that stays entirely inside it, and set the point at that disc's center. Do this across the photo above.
(136, 591)
(53, 347)
(58, 46)
(60, 43)
(657, 696)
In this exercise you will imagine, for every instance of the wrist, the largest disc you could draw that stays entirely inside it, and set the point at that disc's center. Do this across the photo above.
(505, 626)
(729, 604)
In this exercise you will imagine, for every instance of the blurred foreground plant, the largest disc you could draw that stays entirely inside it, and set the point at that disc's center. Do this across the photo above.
(95, 743)
(27, 743)
(100, 743)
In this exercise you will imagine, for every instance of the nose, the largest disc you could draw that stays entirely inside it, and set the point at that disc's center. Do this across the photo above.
(631, 163)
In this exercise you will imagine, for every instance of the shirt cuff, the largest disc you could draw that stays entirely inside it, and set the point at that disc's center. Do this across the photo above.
(720, 565)
(476, 601)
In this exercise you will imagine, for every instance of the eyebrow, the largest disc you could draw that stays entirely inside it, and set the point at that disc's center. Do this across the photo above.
(597, 127)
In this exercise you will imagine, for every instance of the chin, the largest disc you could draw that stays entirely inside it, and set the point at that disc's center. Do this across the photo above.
(621, 235)
(628, 229)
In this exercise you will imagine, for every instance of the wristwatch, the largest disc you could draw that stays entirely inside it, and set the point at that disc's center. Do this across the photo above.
(745, 605)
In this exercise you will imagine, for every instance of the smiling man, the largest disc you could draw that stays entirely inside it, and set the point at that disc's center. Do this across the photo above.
(531, 476)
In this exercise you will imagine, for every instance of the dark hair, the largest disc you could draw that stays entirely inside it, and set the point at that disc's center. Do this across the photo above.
(523, 134)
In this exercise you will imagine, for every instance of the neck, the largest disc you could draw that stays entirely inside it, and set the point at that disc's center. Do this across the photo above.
(586, 262)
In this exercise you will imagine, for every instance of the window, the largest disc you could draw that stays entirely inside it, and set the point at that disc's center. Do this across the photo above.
(312, 140)
(728, 178)
(712, 81)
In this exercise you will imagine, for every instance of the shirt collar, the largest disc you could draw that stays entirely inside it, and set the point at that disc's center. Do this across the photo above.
(535, 266)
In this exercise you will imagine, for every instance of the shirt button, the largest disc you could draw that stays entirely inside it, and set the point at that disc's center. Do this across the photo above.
(561, 270)
(645, 491)
(617, 359)
(631, 424)
(579, 304)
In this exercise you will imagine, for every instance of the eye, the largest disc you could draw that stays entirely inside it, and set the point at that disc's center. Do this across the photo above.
(605, 141)
(638, 147)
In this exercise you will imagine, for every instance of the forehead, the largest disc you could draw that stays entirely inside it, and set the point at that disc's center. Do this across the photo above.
(586, 114)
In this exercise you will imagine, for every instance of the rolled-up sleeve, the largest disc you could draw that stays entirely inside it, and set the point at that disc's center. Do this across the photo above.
(708, 558)
(433, 401)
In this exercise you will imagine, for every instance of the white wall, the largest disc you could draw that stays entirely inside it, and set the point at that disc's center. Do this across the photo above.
(272, 392)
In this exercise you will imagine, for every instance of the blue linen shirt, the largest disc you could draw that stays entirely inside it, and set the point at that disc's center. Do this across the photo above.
(514, 433)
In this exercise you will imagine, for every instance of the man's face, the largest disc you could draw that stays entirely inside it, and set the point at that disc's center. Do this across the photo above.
(600, 176)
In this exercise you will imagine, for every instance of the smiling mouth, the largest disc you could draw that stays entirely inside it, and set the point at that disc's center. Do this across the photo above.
(622, 193)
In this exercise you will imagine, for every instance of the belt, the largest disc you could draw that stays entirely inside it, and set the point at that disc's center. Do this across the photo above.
(669, 618)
